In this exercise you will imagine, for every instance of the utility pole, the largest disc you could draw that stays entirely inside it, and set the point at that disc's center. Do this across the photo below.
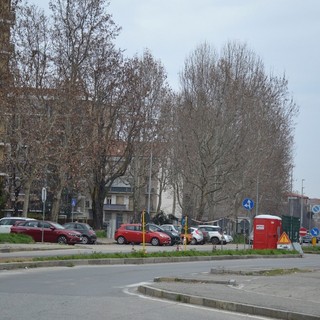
(301, 208)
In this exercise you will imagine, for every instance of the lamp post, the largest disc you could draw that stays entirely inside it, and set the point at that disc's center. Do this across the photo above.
(301, 208)
(150, 180)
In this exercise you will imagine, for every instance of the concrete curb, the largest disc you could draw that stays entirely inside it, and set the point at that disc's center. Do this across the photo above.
(224, 305)
(113, 261)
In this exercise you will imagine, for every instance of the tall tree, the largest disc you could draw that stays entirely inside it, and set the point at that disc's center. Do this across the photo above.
(228, 120)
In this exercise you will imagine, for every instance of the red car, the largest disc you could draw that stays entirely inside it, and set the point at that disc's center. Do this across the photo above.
(52, 232)
(132, 233)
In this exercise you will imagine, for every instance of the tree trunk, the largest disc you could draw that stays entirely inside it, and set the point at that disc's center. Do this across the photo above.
(98, 196)
(26, 187)
(56, 205)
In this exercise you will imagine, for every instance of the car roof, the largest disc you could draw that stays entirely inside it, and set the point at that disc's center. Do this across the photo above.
(15, 218)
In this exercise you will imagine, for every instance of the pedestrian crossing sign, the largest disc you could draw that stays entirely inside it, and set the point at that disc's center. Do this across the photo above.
(284, 239)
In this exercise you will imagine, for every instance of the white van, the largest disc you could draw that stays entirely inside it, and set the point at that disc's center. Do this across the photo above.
(7, 222)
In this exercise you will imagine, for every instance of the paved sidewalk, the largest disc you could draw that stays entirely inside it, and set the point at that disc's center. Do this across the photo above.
(293, 296)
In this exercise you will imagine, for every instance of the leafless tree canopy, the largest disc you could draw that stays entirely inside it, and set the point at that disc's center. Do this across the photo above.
(234, 131)
(80, 116)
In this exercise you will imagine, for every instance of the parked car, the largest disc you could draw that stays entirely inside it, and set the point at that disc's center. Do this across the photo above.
(215, 233)
(133, 233)
(194, 236)
(7, 222)
(52, 232)
(308, 239)
(87, 233)
(228, 238)
(175, 237)
(171, 227)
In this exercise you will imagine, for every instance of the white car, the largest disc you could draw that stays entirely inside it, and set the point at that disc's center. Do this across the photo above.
(227, 237)
(215, 233)
(7, 222)
(194, 235)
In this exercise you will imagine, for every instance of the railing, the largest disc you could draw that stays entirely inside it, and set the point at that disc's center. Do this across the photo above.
(115, 207)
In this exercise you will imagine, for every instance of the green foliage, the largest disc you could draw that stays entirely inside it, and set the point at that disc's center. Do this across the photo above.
(101, 233)
(15, 238)
(311, 249)
(240, 239)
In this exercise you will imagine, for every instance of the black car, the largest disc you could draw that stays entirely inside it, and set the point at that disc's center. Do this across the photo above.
(88, 234)
(175, 237)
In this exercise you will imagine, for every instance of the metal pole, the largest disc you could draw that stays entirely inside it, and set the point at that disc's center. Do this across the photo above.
(149, 189)
(257, 196)
(44, 198)
(43, 213)
(301, 209)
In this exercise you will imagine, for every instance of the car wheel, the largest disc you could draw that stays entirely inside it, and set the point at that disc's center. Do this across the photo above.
(155, 242)
(85, 240)
(215, 240)
(193, 241)
(62, 240)
(121, 240)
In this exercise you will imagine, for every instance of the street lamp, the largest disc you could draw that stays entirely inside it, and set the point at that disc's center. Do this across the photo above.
(301, 212)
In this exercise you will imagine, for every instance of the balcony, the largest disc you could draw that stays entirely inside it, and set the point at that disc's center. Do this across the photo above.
(115, 207)
(120, 190)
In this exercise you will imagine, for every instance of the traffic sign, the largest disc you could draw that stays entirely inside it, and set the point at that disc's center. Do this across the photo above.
(284, 239)
(316, 209)
(44, 194)
(73, 202)
(248, 204)
(314, 232)
(303, 232)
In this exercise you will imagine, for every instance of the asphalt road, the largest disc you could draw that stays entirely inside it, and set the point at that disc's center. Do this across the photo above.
(109, 292)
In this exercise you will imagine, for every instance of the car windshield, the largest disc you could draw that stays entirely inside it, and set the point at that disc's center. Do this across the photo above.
(87, 226)
(153, 227)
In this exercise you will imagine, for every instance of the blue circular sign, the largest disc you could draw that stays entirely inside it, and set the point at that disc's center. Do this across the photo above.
(316, 209)
(314, 232)
(248, 204)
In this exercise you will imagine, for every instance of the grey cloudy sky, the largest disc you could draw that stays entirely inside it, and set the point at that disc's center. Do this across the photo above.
(283, 33)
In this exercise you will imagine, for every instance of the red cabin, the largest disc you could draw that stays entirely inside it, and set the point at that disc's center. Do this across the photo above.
(266, 231)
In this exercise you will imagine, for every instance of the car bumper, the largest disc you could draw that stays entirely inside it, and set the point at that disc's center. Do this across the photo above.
(74, 240)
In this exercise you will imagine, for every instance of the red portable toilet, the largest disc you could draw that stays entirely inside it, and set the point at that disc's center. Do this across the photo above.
(266, 231)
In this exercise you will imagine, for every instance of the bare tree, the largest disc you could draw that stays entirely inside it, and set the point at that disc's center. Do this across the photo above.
(27, 118)
(227, 102)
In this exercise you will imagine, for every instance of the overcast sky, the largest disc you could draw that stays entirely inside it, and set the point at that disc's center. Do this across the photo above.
(283, 33)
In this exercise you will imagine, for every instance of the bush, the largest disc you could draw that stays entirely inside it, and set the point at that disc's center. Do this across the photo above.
(15, 238)
(101, 233)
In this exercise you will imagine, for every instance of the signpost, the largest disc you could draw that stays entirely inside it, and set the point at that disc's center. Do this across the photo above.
(44, 198)
(248, 204)
(73, 204)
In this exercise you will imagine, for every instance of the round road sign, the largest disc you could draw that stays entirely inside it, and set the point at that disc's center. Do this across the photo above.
(314, 232)
(302, 232)
(316, 209)
(248, 204)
